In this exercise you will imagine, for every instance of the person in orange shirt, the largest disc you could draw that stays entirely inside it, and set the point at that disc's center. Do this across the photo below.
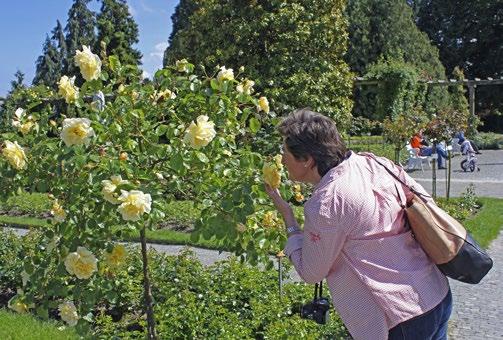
(418, 142)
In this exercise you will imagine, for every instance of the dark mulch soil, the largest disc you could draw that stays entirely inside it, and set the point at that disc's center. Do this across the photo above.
(176, 226)
(5, 295)
(20, 213)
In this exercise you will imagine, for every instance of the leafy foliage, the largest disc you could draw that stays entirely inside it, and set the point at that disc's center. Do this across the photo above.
(293, 50)
(468, 36)
(385, 30)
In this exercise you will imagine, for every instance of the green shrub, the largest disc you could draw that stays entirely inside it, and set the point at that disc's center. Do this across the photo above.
(228, 300)
(27, 203)
(489, 140)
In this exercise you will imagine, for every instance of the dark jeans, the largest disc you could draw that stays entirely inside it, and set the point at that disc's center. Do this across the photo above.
(428, 151)
(431, 325)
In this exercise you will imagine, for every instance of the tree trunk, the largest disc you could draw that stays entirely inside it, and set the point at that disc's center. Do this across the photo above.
(434, 173)
(449, 176)
(152, 335)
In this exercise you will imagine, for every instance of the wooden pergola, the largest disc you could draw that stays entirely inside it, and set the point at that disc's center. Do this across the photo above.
(471, 84)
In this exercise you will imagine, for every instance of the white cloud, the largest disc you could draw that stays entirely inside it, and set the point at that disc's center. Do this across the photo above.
(145, 74)
(158, 51)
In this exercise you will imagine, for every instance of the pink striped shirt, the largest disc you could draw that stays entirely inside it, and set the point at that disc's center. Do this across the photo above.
(355, 236)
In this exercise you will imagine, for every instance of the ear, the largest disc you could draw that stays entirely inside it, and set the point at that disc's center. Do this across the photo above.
(309, 163)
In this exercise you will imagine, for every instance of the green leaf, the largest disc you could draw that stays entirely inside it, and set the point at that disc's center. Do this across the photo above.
(176, 162)
(114, 63)
(202, 157)
(254, 125)
(214, 84)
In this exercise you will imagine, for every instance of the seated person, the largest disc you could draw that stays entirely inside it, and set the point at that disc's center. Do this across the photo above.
(460, 135)
(418, 142)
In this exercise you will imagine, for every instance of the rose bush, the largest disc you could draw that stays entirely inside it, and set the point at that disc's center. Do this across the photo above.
(112, 168)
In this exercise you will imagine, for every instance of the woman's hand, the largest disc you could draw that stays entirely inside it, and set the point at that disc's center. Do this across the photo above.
(281, 205)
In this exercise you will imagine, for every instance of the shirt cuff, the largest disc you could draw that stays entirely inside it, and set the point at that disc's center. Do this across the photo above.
(294, 243)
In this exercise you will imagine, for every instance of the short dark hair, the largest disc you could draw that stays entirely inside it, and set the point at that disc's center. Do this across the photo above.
(307, 133)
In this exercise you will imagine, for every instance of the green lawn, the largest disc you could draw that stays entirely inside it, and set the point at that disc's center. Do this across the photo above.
(25, 327)
(487, 223)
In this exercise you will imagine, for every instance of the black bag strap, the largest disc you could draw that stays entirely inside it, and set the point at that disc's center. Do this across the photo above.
(320, 287)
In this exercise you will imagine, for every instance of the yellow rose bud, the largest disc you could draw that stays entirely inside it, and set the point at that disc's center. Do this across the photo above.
(123, 156)
(89, 63)
(16, 305)
(67, 89)
(14, 154)
(201, 133)
(26, 127)
(53, 123)
(263, 104)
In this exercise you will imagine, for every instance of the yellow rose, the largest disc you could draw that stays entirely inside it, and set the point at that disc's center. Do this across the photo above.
(67, 89)
(16, 305)
(200, 134)
(263, 104)
(299, 197)
(58, 212)
(225, 74)
(14, 154)
(117, 256)
(182, 65)
(76, 131)
(270, 219)
(81, 263)
(164, 95)
(89, 63)
(18, 115)
(68, 313)
(245, 87)
(134, 204)
(26, 127)
(109, 187)
(278, 161)
(272, 172)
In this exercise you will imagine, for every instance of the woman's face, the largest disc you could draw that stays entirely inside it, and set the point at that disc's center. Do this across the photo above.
(297, 169)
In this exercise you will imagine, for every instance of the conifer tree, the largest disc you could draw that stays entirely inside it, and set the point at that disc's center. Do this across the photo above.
(180, 19)
(48, 65)
(80, 30)
(118, 30)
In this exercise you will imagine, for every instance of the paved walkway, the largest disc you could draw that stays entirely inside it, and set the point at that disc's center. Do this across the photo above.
(488, 181)
(478, 309)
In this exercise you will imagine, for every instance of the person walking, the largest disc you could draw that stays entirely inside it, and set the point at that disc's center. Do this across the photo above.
(356, 236)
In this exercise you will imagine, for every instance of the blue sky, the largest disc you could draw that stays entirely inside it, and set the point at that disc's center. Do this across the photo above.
(25, 23)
